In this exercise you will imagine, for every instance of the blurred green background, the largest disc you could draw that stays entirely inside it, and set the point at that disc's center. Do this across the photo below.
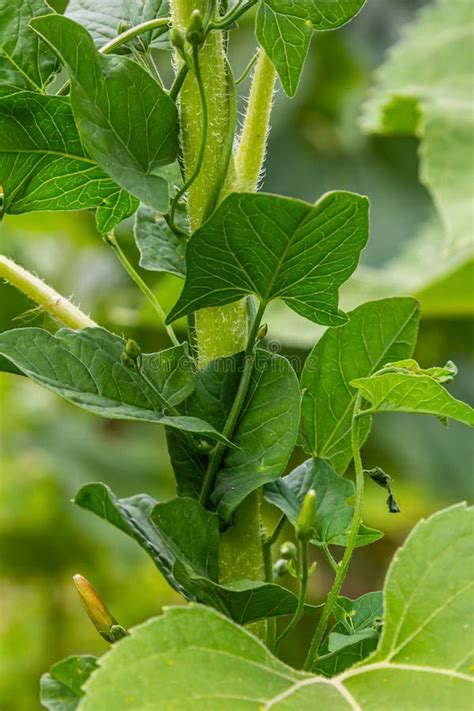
(49, 448)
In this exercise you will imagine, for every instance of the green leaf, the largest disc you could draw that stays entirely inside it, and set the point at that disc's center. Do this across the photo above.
(276, 247)
(355, 634)
(25, 62)
(43, 165)
(85, 368)
(192, 657)
(129, 145)
(378, 332)
(265, 435)
(182, 539)
(440, 374)
(189, 658)
(333, 514)
(285, 39)
(61, 688)
(104, 21)
(284, 29)
(400, 392)
(160, 249)
(424, 88)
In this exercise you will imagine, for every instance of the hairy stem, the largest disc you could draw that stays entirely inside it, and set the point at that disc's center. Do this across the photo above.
(344, 564)
(53, 303)
(253, 139)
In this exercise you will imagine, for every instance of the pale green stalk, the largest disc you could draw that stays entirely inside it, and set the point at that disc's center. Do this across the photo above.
(47, 298)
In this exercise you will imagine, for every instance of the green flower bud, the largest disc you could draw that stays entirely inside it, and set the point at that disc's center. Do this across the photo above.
(305, 522)
(262, 331)
(288, 551)
(195, 30)
(127, 361)
(280, 568)
(105, 624)
(132, 349)
(177, 38)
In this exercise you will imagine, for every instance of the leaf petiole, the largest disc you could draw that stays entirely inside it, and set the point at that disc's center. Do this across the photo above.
(304, 575)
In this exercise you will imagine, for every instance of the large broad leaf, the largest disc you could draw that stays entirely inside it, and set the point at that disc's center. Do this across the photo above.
(25, 62)
(425, 88)
(190, 658)
(276, 247)
(60, 689)
(284, 29)
(333, 514)
(182, 539)
(354, 636)
(160, 249)
(85, 368)
(43, 164)
(377, 333)
(265, 434)
(104, 21)
(129, 145)
(194, 658)
(403, 392)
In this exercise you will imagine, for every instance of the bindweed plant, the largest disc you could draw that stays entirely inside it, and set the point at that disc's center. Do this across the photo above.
(86, 122)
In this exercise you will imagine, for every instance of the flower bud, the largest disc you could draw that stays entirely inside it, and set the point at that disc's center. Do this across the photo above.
(262, 331)
(280, 568)
(195, 30)
(288, 551)
(305, 522)
(132, 349)
(105, 624)
(127, 361)
(177, 38)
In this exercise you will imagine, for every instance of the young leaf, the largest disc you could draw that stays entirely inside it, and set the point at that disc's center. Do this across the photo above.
(276, 247)
(182, 539)
(85, 367)
(189, 658)
(333, 514)
(61, 688)
(43, 165)
(265, 435)
(25, 62)
(378, 332)
(104, 21)
(284, 29)
(160, 249)
(401, 392)
(192, 657)
(129, 145)
(440, 374)
(355, 634)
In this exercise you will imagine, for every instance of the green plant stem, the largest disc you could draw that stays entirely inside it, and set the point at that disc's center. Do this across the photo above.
(247, 70)
(303, 553)
(124, 37)
(253, 139)
(47, 298)
(330, 559)
(232, 16)
(234, 414)
(202, 148)
(344, 564)
(268, 563)
(146, 291)
(178, 82)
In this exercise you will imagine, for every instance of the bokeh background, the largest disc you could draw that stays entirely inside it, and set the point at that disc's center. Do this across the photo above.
(49, 448)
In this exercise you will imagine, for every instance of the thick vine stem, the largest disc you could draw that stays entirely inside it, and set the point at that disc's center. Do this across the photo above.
(253, 139)
(344, 564)
(47, 298)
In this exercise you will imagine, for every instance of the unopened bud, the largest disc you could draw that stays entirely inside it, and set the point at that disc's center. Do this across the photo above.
(177, 38)
(195, 30)
(280, 568)
(127, 361)
(288, 551)
(305, 522)
(132, 349)
(262, 331)
(105, 624)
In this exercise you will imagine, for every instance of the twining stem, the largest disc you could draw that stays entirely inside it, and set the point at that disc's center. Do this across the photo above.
(231, 422)
(234, 14)
(344, 564)
(146, 291)
(303, 555)
(253, 139)
(53, 303)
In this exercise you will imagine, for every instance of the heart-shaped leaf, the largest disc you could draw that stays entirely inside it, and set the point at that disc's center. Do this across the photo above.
(333, 514)
(129, 145)
(276, 247)
(85, 368)
(378, 332)
(160, 249)
(43, 164)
